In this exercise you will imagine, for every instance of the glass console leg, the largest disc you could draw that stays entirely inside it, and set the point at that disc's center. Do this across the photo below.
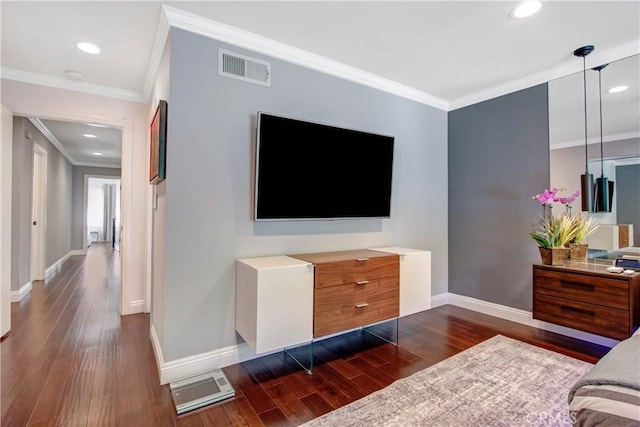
(394, 332)
(298, 353)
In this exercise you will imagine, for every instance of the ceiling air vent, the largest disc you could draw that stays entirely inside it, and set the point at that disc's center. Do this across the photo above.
(244, 68)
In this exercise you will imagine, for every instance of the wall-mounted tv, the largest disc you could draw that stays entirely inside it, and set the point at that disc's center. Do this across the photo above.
(313, 171)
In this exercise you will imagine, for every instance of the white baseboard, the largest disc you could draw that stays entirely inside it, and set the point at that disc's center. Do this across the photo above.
(56, 266)
(440, 299)
(187, 367)
(157, 351)
(136, 306)
(520, 316)
(17, 296)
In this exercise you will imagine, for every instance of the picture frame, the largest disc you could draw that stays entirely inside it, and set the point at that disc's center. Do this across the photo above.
(158, 145)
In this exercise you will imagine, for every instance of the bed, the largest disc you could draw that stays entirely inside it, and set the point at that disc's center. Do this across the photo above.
(609, 394)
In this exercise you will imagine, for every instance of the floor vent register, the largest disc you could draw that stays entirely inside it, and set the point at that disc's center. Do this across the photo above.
(196, 392)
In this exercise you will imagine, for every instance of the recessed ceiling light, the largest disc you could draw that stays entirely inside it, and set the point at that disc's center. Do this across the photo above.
(617, 89)
(87, 47)
(96, 125)
(74, 76)
(97, 153)
(526, 8)
(89, 135)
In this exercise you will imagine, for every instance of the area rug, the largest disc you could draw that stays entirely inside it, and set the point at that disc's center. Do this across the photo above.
(499, 382)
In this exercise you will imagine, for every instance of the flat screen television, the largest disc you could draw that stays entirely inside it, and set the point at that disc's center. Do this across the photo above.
(313, 171)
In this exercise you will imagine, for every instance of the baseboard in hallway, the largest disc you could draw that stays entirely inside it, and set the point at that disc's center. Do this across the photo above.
(17, 296)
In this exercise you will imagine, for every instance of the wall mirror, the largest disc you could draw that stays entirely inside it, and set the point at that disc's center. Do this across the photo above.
(620, 159)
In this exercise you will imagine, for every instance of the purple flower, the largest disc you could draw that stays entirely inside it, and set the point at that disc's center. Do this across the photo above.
(547, 196)
(568, 200)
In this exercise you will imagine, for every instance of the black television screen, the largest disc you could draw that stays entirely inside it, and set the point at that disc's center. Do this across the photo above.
(307, 170)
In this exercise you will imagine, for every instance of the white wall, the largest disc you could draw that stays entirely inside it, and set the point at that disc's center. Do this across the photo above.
(51, 103)
(158, 208)
(6, 146)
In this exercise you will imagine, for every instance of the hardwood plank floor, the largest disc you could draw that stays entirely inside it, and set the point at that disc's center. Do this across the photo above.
(70, 359)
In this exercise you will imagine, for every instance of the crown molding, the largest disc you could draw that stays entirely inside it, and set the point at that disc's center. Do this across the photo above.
(52, 139)
(225, 33)
(159, 43)
(99, 165)
(595, 140)
(569, 66)
(60, 83)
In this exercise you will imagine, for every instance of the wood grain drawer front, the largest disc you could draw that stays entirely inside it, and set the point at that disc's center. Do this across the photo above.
(343, 307)
(586, 317)
(604, 291)
(356, 270)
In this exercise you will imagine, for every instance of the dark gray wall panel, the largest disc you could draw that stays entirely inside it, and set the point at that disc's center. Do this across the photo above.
(498, 159)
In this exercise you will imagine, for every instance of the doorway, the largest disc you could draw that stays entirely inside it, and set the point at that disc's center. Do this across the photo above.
(102, 210)
(131, 221)
(38, 213)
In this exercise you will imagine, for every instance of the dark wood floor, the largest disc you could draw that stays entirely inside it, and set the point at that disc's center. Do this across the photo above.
(70, 359)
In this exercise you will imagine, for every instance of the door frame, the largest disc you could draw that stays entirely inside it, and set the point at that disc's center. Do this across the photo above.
(6, 167)
(38, 239)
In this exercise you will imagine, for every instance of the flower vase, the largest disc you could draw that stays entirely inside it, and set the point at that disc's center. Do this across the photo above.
(553, 256)
(578, 251)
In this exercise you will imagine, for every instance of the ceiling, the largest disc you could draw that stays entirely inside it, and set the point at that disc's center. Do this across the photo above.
(455, 52)
(82, 150)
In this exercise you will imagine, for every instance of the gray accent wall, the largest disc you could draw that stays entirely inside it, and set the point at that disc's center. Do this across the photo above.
(498, 159)
(78, 190)
(209, 187)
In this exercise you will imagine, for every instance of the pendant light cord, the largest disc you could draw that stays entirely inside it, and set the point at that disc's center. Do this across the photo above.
(584, 79)
(601, 142)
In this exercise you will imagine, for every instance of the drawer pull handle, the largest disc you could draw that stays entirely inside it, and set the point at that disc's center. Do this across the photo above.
(362, 282)
(362, 259)
(575, 285)
(577, 310)
(362, 305)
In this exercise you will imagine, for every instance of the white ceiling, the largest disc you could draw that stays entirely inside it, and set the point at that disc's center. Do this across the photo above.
(80, 149)
(456, 52)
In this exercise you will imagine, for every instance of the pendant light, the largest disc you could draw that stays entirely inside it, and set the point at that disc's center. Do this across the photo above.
(586, 180)
(604, 187)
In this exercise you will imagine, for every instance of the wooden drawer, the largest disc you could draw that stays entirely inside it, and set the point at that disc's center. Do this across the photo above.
(601, 290)
(592, 318)
(352, 271)
(348, 306)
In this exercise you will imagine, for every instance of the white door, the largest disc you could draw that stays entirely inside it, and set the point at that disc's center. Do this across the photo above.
(38, 208)
(6, 147)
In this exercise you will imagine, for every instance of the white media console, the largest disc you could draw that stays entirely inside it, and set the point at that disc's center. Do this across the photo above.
(278, 297)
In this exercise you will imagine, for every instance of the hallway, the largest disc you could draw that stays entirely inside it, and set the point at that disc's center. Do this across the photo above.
(70, 358)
